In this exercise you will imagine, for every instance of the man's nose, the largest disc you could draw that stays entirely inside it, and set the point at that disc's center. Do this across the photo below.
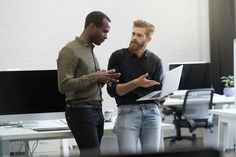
(105, 36)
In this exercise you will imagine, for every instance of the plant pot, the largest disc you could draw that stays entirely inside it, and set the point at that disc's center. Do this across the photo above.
(228, 91)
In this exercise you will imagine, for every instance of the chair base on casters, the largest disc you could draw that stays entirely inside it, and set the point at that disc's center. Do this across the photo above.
(179, 138)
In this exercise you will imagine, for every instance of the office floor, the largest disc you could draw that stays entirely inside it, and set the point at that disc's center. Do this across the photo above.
(179, 145)
(187, 144)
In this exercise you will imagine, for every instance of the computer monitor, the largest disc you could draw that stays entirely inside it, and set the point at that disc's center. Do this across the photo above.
(30, 95)
(194, 75)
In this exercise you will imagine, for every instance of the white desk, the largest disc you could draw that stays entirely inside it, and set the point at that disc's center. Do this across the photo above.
(21, 134)
(226, 127)
(11, 134)
(217, 99)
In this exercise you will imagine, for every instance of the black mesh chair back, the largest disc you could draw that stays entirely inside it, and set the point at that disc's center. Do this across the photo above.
(197, 102)
(193, 114)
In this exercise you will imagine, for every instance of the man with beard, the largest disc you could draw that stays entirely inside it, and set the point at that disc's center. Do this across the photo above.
(81, 80)
(141, 73)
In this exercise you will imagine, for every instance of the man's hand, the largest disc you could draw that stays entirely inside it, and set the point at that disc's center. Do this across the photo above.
(108, 77)
(142, 81)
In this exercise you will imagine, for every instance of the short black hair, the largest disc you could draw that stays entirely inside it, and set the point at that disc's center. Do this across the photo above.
(95, 17)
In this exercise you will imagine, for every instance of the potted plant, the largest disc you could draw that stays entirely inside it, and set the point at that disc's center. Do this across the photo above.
(228, 85)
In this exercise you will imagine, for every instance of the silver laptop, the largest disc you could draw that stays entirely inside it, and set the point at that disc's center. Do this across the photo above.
(170, 84)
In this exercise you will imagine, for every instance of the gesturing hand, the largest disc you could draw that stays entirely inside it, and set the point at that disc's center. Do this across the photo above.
(108, 77)
(142, 81)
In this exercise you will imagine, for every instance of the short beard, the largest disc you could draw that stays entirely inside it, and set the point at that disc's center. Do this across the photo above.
(136, 48)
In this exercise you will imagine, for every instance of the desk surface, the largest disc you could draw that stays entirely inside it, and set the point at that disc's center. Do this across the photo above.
(9, 134)
(18, 133)
(224, 112)
(217, 99)
(15, 133)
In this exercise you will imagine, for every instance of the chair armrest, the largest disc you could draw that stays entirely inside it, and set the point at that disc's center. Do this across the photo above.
(168, 111)
(192, 125)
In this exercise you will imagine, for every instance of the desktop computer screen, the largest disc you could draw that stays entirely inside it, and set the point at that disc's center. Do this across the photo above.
(194, 75)
(30, 92)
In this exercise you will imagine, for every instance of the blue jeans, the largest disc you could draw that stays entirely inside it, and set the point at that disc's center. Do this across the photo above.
(138, 122)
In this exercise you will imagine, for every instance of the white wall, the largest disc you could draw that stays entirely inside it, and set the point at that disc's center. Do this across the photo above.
(33, 31)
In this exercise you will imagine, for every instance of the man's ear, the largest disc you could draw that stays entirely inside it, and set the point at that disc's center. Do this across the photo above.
(149, 38)
(92, 26)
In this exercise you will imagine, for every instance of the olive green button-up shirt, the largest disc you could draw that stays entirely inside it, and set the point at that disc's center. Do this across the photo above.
(75, 63)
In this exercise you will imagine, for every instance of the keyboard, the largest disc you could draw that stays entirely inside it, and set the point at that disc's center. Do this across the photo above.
(51, 129)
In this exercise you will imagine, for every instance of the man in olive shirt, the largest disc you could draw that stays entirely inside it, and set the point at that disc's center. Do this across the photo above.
(81, 80)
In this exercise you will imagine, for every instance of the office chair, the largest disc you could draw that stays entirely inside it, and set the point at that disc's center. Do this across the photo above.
(193, 114)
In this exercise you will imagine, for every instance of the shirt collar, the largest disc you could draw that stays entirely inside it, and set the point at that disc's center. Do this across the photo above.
(83, 43)
(145, 54)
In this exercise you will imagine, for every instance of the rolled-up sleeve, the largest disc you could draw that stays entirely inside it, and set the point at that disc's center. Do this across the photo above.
(113, 63)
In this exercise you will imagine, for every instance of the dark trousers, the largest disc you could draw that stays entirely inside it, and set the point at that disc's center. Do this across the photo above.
(87, 125)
